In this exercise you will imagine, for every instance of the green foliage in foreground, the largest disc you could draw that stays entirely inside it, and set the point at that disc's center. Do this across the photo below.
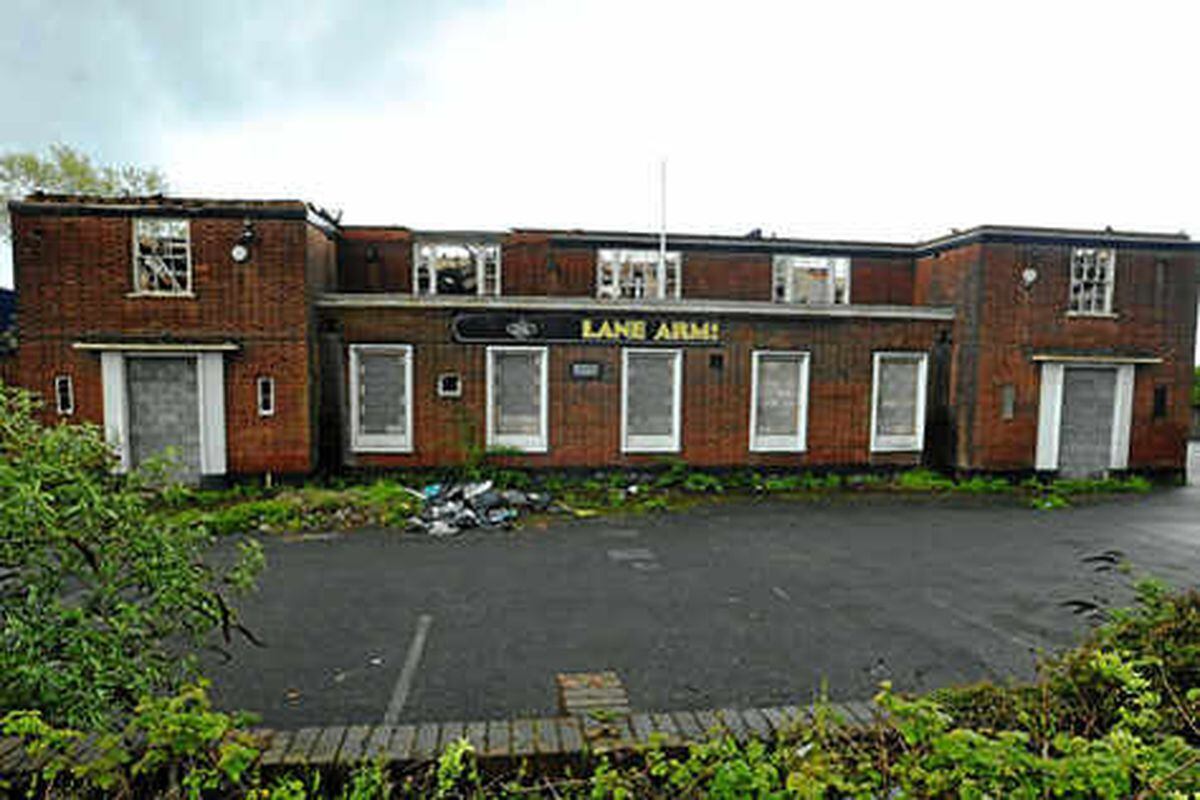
(1113, 718)
(101, 603)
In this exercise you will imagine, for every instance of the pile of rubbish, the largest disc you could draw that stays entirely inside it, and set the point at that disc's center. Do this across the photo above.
(450, 508)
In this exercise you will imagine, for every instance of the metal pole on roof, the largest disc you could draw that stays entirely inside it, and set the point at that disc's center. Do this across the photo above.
(662, 232)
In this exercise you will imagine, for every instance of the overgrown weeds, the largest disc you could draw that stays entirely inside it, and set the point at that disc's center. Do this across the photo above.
(1115, 717)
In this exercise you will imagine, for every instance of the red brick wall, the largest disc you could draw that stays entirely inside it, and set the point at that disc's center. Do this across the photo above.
(74, 274)
(1154, 318)
(390, 271)
(879, 280)
(727, 276)
(533, 265)
(584, 416)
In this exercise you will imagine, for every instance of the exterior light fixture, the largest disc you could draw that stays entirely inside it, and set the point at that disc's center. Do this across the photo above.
(240, 252)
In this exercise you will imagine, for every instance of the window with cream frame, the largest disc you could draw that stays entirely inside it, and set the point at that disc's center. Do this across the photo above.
(811, 280)
(518, 398)
(456, 267)
(381, 397)
(778, 401)
(651, 398)
(1092, 275)
(637, 274)
(162, 257)
(898, 401)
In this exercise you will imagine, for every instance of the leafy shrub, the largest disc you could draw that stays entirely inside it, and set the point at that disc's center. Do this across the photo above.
(102, 602)
(923, 480)
(702, 482)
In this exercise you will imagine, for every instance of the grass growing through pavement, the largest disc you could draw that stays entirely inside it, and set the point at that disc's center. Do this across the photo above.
(390, 501)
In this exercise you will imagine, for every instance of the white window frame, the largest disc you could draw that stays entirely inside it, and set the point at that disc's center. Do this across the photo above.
(187, 290)
(477, 248)
(1110, 284)
(1050, 411)
(267, 382)
(893, 443)
(378, 442)
(538, 443)
(652, 444)
(612, 291)
(210, 386)
(64, 381)
(797, 443)
(782, 265)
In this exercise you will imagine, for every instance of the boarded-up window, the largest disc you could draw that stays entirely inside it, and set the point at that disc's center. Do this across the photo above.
(650, 402)
(778, 410)
(898, 417)
(517, 396)
(381, 397)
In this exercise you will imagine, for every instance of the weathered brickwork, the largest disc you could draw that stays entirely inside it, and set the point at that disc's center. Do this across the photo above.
(74, 268)
(584, 416)
(75, 278)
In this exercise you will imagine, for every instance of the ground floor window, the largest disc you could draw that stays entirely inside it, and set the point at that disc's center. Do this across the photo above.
(381, 397)
(898, 401)
(650, 400)
(779, 401)
(64, 395)
(517, 389)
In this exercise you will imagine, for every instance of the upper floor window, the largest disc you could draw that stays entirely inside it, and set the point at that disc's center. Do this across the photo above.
(811, 279)
(636, 274)
(1092, 276)
(456, 268)
(162, 260)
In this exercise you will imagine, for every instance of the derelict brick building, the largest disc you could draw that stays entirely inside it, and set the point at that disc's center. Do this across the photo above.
(265, 336)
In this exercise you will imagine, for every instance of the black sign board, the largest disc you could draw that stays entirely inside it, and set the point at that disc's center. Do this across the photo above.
(585, 328)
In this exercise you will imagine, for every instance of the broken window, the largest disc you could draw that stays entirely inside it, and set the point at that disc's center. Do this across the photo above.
(381, 397)
(1092, 280)
(162, 261)
(636, 274)
(64, 395)
(650, 401)
(898, 405)
(456, 268)
(517, 394)
(817, 280)
(779, 392)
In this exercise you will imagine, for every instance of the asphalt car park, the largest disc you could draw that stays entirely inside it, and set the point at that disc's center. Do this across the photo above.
(735, 604)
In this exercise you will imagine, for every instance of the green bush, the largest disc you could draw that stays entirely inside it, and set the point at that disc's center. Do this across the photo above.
(923, 480)
(102, 602)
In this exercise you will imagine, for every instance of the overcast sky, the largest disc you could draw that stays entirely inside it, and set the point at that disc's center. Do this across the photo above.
(890, 120)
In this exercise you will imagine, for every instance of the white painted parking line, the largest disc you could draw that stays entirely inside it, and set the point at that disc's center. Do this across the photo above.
(408, 672)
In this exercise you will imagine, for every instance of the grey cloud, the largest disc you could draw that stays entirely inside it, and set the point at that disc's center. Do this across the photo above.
(113, 76)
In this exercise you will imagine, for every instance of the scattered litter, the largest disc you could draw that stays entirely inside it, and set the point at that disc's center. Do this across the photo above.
(451, 508)
(376, 661)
